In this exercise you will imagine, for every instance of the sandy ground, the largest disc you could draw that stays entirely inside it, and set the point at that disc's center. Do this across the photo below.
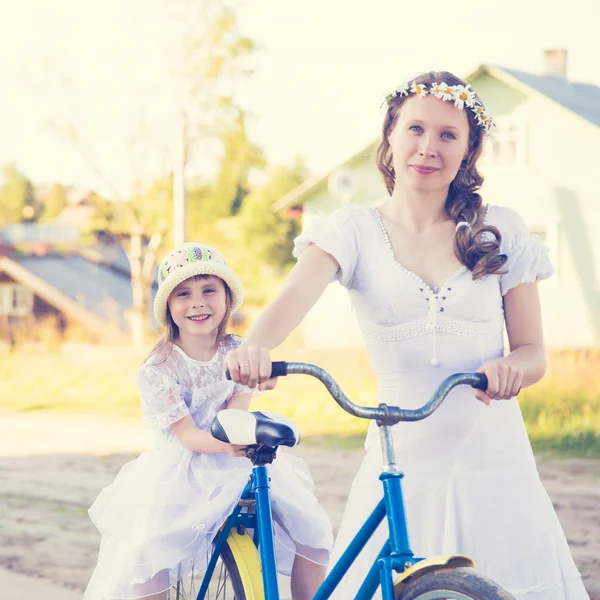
(52, 467)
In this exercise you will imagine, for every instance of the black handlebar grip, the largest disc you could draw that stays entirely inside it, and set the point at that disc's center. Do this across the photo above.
(482, 383)
(279, 369)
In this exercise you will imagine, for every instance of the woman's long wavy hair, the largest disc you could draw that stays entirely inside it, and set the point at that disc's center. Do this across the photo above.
(476, 251)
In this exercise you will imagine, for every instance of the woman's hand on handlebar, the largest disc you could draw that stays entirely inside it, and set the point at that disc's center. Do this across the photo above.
(504, 380)
(251, 366)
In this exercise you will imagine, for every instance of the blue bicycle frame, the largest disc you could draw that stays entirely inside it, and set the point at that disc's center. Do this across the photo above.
(395, 555)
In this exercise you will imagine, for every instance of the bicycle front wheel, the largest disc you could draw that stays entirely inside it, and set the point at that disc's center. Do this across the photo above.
(237, 576)
(453, 584)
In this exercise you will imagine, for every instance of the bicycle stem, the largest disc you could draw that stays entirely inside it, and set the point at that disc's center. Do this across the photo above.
(387, 449)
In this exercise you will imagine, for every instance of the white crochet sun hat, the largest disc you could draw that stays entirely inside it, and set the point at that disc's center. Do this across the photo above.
(188, 260)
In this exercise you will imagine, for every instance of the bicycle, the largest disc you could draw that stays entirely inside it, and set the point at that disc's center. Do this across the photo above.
(247, 560)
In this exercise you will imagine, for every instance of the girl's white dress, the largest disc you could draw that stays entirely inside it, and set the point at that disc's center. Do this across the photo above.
(160, 516)
(471, 483)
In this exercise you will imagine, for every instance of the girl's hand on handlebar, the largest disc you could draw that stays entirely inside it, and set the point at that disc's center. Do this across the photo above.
(504, 380)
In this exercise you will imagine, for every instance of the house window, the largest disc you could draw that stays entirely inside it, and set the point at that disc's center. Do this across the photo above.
(15, 300)
(509, 145)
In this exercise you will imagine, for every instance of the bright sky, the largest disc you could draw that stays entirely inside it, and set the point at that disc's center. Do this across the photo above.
(319, 76)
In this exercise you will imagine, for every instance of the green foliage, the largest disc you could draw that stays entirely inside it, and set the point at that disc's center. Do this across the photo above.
(54, 202)
(213, 58)
(240, 156)
(562, 419)
(208, 204)
(154, 205)
(107, 216)
(149, 208)
(227, 45)
(16, 196)
(265, 237)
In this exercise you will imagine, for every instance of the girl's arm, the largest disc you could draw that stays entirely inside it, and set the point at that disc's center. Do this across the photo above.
(304, 285)
(240, 401)
(196, 440)
(526, 362)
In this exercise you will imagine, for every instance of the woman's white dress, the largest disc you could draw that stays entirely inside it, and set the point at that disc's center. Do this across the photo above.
(471, 484)
(160, 516)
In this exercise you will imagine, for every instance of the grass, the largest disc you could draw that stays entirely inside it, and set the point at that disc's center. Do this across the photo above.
(562, 413)
(563, 420)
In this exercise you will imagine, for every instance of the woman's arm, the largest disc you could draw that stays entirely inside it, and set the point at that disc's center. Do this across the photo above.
(526, 362)
(196, 440)
(306, 282)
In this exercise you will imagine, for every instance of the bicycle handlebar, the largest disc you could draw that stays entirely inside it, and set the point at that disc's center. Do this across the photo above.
(383, 414)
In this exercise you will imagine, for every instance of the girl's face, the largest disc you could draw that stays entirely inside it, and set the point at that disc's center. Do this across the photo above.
(198, 306)
(428, 142)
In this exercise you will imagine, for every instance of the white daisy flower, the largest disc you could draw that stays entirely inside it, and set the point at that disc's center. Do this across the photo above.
(446, 92)
(419, 89)
(485, 121)
(478, 111)
(463, 96)
(403, 90)
(436, 89)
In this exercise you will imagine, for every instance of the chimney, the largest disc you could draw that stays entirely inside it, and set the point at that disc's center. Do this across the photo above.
(555, 63)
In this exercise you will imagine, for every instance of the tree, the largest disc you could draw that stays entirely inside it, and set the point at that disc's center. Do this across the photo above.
(54, 202)
(193, 88)
(209, 204)
(206, 70)
(265, 237)
(16, 197)
(240, 157)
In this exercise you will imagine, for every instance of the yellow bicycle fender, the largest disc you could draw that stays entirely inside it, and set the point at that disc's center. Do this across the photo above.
(248, 562)
(432, 564)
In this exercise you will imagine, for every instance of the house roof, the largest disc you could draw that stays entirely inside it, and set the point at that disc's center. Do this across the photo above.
(113, 256)
(311, 185)
(92, 293)
(580, 98)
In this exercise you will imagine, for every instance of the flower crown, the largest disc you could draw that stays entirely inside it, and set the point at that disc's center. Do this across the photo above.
(461, 95)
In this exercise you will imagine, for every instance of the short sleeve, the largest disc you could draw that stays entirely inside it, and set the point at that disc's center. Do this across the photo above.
(336, 235)
(528, 259)
(162, 398)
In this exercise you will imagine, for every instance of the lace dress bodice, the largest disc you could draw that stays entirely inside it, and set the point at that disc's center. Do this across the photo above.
(409, 327)
(173, 385)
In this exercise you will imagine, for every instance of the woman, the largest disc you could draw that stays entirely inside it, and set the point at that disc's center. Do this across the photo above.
(434, 277)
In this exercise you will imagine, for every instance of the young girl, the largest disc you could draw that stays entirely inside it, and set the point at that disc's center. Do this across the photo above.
(433, 277)
(160, 516)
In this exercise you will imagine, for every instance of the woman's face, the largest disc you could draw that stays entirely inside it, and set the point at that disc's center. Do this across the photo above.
(429, 141)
